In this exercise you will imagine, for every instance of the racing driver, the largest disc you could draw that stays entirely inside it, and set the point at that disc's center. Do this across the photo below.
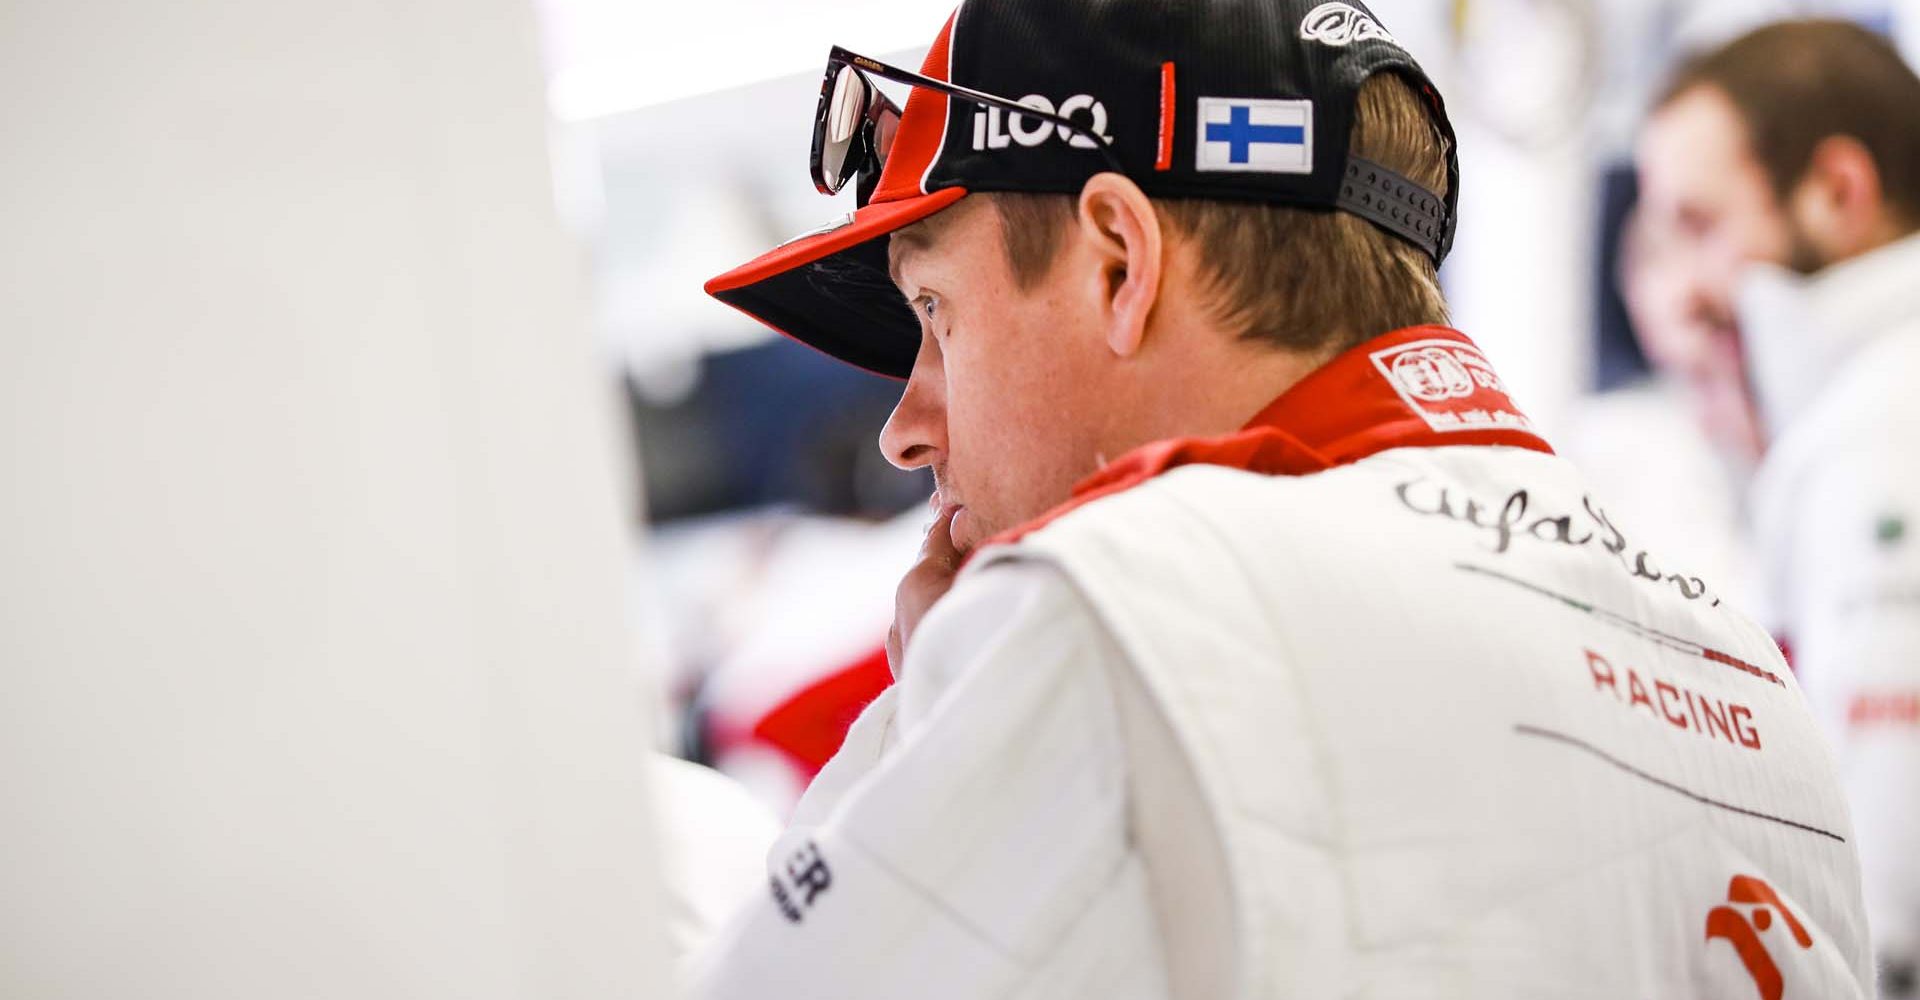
(1260, 646)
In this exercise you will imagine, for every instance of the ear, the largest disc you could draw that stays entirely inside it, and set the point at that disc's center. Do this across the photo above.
(1118, 224)
(1839, 201)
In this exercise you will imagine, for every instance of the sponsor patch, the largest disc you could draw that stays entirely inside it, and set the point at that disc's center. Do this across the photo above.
(1450, 385)
(996, 129)
(1341, 25)
(1743, 922)
(1255, 135)
(796, 889)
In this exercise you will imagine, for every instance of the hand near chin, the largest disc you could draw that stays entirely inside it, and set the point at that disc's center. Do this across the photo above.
(930, 578)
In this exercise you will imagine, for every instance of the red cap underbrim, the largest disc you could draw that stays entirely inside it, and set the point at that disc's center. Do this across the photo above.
(830, 289)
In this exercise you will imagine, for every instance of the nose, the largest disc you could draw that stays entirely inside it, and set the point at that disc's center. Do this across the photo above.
(916, 433)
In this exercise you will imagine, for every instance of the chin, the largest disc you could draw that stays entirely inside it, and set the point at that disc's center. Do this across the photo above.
(965, 530)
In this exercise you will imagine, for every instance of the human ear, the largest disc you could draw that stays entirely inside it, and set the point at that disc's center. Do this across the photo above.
(1839, 203)
(1118, 224)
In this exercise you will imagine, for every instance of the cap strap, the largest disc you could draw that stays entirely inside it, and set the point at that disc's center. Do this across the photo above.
(1394, 203)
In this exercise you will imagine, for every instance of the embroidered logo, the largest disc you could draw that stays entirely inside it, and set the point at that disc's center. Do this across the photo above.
(805, 878)
(1255, 135)
(1340, 25)
(1450, 385)
(995, 129)
(1742, 930)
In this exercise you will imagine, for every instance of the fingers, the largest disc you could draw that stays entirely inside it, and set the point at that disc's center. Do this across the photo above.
(895, 653)
(938, 548)
(926, 582)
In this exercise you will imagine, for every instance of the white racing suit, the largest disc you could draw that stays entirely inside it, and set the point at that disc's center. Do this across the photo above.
(1369, 700)
(1836, 362)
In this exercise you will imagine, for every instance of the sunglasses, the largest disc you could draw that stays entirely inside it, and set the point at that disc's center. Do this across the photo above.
(854, 126)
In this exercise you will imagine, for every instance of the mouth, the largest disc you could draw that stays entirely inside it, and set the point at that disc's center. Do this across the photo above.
(943, 501)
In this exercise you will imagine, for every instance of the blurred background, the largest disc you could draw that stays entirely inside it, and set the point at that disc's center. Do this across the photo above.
(383, 500)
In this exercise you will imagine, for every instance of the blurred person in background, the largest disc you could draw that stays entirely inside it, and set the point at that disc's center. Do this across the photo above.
(1690, 341)
(1674, 450)
(1258, 645)
(1783, 170)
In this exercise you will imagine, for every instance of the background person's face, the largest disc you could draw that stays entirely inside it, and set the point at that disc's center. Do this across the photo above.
(1692, 343)
(1707, 212)
(1707, 199)
(1003, 399)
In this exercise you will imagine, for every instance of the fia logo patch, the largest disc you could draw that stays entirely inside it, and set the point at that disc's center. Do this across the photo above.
(1341, 25)
(1450, 385)
(1255, 135)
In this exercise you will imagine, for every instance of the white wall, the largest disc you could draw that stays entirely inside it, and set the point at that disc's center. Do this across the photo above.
(313, 678)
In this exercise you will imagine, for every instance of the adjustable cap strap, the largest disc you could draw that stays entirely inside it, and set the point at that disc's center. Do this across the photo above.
(1394, 203)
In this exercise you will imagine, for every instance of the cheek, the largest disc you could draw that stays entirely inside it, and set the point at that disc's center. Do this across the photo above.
(1011, 433)
(994, 402)
(1760, 230)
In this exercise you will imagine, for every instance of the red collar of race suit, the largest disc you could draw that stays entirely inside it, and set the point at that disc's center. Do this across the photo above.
(1421, 387)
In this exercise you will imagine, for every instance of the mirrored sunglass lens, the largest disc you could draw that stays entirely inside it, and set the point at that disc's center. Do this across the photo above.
(886, 123)
(844, 110)
(849, 100)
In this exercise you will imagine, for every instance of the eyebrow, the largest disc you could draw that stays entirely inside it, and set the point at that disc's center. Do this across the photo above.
(910, 240)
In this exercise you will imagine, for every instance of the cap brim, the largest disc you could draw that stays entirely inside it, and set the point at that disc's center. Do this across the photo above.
(830, 289)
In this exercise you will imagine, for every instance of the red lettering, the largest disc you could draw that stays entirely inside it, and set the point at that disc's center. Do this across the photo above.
(1716, 721)
(1637, 691)
(1744, 728)
(1896, 709)
(1666, 691)
(1602, 672)
(1682, 708)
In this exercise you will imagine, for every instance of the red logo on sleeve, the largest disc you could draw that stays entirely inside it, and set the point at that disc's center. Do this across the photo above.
(1749, 914)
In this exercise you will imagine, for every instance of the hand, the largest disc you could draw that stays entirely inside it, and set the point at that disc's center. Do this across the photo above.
(930, 578)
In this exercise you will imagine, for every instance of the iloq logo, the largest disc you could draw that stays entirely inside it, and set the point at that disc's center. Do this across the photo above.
(1340, 25)
(995, 129)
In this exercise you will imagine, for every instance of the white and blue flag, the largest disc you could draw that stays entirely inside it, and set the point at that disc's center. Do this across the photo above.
(1256, 135)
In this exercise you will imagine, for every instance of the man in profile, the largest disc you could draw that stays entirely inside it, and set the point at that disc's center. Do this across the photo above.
(1783, 172)
(1259, 645)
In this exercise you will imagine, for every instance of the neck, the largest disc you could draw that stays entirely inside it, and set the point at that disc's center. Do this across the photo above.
(1207, 383)
(1889, 231)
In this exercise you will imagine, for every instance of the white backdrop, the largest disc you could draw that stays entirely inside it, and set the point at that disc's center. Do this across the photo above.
(314, 679)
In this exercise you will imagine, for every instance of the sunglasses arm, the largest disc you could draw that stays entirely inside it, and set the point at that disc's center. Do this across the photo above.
(898, 75)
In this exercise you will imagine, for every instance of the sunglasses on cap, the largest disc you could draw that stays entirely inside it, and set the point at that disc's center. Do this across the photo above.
(854, 126)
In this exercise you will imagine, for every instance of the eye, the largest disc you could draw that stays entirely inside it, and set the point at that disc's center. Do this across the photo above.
(929, 305)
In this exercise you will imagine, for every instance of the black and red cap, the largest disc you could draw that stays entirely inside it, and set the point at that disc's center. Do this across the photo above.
(1230, 100)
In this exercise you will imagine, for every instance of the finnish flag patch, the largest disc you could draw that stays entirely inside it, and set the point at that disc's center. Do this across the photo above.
(1255, 135)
